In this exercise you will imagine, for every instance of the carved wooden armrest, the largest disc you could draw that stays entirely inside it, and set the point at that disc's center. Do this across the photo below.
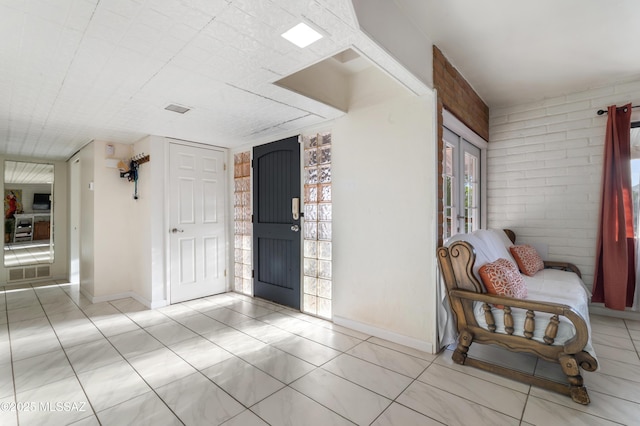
(564, 266)
(572, 346)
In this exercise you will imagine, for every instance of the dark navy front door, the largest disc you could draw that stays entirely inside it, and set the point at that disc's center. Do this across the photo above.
(276, 222)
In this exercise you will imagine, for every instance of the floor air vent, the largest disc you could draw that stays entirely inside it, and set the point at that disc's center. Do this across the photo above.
(16, 274)
(43, 271)
(29, 273)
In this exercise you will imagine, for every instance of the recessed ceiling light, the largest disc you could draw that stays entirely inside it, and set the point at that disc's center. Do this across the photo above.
(302, 35)
(176, 108)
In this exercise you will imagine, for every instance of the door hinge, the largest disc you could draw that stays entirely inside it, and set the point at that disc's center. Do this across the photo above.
(225, 167)
(253, 273)
(225, 272)
(251, 218)
(252, 164)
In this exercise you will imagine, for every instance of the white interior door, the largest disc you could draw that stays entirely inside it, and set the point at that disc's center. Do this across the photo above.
(197, 222)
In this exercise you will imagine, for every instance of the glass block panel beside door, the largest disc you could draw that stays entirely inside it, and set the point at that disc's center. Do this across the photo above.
(317, 225)
(242, 222)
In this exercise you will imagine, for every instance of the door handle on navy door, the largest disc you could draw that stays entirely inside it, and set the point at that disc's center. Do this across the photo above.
(295, 228)
(295, 208)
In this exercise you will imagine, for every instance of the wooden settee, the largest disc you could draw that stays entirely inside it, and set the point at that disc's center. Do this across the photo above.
(528, 325)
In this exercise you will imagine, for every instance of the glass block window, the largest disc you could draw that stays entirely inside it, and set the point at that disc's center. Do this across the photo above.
(242, 222)
(317, 224)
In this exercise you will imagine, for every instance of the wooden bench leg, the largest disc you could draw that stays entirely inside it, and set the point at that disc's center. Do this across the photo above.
(570, 368)
(464, 341)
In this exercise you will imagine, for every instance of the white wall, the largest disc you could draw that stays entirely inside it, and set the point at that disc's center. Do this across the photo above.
(545, 168)
(151, 229)
(384, 204)
(122, 239)
(114, 227)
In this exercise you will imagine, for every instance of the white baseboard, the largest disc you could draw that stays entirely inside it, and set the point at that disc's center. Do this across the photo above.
(158, 304)
(599, 309)
(117, 296)
(381, 333)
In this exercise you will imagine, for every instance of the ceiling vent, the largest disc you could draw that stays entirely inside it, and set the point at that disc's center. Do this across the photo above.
(177, 108)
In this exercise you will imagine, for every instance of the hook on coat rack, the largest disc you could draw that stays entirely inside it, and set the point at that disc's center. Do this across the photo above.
(132, 173)
(140, 158)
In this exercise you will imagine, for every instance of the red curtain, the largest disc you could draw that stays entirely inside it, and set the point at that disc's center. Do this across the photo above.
(615, 276)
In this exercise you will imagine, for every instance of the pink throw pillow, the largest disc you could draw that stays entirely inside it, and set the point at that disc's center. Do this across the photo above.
(502, 277)
(527, 258)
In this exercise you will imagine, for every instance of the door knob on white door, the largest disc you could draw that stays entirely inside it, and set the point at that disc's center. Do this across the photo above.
(175, 230)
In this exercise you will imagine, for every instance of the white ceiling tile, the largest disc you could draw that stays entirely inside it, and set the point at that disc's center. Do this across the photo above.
(20, 6)
(195, 19)
(182, 32)
(80, 14)
(55, 11)
(172, 8)
(194, 53)
(106, 69)
(210, 7)
(154, 19)
(108, 26)
(11, 24)
(126, 8)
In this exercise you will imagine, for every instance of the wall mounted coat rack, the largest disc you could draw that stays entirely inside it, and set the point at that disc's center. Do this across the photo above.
(130, 170)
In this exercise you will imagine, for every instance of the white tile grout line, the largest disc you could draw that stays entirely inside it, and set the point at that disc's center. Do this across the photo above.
(293, 316)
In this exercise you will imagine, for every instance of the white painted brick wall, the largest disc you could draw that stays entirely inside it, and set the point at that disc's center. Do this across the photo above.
(544, 170)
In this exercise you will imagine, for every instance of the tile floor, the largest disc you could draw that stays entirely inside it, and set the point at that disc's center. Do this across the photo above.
(233, 360)
(23, 254)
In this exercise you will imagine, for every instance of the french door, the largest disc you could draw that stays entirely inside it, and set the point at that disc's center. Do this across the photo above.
(461, 181)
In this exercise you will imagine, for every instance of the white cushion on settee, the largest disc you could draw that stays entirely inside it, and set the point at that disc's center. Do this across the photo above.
(548, 285)
(489, 245)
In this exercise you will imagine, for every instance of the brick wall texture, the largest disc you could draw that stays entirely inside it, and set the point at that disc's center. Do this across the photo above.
(459, 98)
(545, 167)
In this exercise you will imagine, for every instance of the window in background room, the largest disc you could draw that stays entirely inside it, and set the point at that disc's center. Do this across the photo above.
(461, 180)
(242, 222)
(317, 225)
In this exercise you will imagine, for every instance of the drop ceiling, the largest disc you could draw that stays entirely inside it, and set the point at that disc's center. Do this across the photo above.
(72, 71)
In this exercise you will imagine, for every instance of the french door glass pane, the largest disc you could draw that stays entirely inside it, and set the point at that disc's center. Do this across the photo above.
(471, 181)
(461, 185)
(449, 225)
